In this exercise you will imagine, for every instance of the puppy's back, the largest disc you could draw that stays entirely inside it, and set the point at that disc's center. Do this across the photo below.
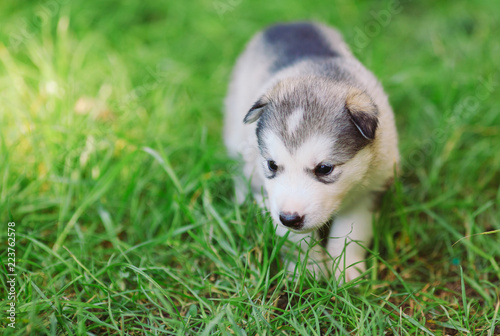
(294, 42)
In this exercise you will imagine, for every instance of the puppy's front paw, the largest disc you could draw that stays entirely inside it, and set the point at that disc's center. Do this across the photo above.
(318, 270)
(350, 270)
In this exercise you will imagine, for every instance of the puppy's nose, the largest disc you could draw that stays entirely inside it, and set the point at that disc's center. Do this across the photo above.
(292, 220)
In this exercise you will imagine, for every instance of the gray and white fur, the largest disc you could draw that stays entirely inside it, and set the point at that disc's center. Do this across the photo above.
(316, 136)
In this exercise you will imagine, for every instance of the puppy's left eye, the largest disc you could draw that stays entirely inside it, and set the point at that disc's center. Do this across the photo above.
(272, 166)
(323, 169)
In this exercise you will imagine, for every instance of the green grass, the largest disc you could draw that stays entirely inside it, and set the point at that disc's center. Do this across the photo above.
(113, 169)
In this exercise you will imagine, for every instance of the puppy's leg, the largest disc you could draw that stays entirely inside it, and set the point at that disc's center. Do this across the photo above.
(351, 229)
(250, 180)
(240, 188)
(306, 246)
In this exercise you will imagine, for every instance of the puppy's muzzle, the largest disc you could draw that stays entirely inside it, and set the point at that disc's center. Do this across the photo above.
(292, 220)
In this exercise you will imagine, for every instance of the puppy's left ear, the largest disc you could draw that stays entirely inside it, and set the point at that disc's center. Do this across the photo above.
(256, 110)
(363, 113)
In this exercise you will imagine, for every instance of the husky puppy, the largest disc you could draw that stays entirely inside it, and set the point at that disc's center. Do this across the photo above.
(316, 136)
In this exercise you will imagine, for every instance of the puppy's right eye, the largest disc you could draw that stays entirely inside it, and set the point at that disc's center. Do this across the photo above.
(323, 169)
(272, 166)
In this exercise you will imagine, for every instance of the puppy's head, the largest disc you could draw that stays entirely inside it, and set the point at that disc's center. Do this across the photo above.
(314, 136)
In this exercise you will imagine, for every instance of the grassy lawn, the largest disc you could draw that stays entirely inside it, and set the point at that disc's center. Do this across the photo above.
(113, 169)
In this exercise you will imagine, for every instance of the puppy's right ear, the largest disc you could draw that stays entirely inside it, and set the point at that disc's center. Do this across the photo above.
(363, 113)
(256, 111)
